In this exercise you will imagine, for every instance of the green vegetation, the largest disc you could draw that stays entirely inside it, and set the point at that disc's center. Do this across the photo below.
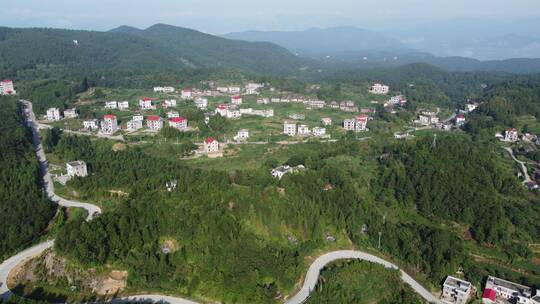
(24, 210)
(357, 282)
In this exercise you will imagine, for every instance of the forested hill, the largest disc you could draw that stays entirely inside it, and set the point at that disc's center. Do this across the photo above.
(41, 52)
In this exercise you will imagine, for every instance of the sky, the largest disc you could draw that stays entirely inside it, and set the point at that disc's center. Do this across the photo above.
(222, 16)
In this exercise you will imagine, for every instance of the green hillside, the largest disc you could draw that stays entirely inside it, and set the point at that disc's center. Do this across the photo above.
(40, 53)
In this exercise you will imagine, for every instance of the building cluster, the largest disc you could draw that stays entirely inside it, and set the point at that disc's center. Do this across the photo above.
(379, 89)
(398, 100)
(54, 114)
(502, 291)
(109, 124)
(292, 129)
(263, 113)
(228, 111)
(120, 105)
(357, 124)
(7, 88)
(280, 171)
(426, 118)
(499, 291)
(163, 89)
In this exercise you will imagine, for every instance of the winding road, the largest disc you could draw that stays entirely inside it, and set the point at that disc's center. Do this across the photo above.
(310, 280)
(522, 164)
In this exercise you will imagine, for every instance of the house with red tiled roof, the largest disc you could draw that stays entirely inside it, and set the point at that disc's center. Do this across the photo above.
(489, 296)
(186, 93)
(145, 103)
(154, 122)
(6, 87)
(178, 122)
(211, 145)
(109, 125)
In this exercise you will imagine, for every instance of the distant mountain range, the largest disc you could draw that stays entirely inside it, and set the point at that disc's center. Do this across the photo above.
(359, 48)
(42, 52)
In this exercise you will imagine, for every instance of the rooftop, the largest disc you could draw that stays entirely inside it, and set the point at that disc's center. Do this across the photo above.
(76, 163)
(462, 285)
(109, 116)
(177, 119)
(153, 118)
(522, 290)
(209, 140)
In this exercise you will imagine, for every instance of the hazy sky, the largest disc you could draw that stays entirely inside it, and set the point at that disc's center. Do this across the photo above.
(220, 16)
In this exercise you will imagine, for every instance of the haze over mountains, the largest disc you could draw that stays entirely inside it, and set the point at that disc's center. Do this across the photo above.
(37, 52)
(365, 48)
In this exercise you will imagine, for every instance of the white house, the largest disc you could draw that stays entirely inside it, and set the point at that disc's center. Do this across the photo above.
(460, 120)
(456, 291)
(349, 124)
(170, 103)
(109, 125)
(123, 105)
(145, 103)
(76, 168)
(163, 89)
(221, 109)
(111, 105)
(53, 114)
(154, 122)
(201, 103)
(361, 123)
(137, 117)
(380, 89)
(471, 107)
(289, 128)
(303, 130)
(317, 104)
(173, 114)
(263, 101)
(222, 89)
(178, 123)
(297, 116)
(186, 93)
(236, 99)
(211, 145)
(71, 113)
(253, 88)
(242, 135)
(280, 171)
(326, 121)
(319, 131)
(91, 124)
(134, 125)
(233, 114)
(509, 291)
(6, 87)
(235, 89)
(511, 135)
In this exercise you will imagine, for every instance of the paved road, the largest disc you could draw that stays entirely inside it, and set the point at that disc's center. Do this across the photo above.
(99, 135)
(47, 179)
(309, 283)
(522, 164)
(314, 270)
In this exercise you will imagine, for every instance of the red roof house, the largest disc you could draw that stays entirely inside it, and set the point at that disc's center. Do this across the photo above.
(489, 296)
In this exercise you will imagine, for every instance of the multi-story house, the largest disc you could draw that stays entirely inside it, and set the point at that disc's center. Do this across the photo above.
(134, 125)
(456, 291)
(211, 145)
(511, 135)
(91, 124)
(179, 123)
(303, 130)
(109, 125)
(509, 292)
(76, 168)
(145, 104)
(6, 87)
(349, 124)
(361, 123)
(319, 131)
(169, 103)
(53, 114)
(173, 114)
(236, 99)
(123, 105)
(289, 128)
(186, 93)
(380, 89)
(201, 103)
(154, 122)
(110, 105)
(71, 113)
(326, 121)
(242, 135)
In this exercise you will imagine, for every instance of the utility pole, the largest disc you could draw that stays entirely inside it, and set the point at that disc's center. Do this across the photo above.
(380, 234)
(434, 144)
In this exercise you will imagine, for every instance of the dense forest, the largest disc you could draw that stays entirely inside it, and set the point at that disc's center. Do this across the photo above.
(24, 210)
(357, 282)
(40, 53)
(236, 238)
